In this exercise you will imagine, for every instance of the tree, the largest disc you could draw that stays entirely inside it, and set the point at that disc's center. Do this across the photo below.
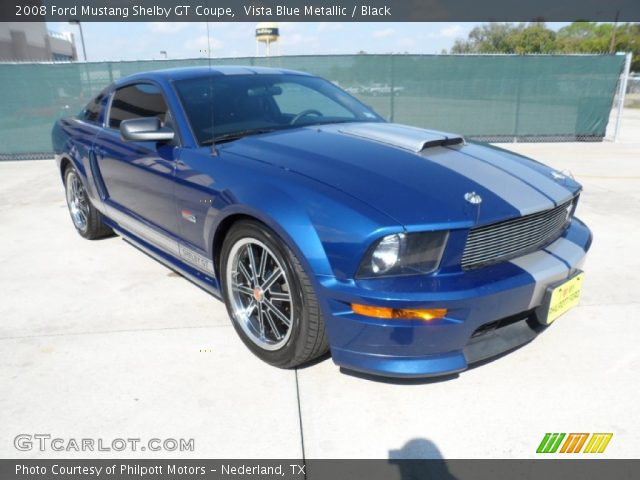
(488, 38)
(535, 37)
(591, 37)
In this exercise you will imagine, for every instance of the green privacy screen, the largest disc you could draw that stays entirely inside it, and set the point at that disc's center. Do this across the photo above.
(487, 97)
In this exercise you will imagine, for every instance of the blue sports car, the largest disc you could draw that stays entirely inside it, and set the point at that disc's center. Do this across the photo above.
(405, 252)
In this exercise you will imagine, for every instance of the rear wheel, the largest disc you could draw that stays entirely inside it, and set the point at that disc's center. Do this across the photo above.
(86, 219)
(269, 297)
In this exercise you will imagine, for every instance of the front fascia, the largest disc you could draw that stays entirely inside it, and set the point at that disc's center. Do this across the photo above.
(473, 298)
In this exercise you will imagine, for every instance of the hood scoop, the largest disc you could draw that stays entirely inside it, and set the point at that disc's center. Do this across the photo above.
(402, 136)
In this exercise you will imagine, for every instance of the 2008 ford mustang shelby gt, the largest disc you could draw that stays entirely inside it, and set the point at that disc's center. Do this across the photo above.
(406, 252)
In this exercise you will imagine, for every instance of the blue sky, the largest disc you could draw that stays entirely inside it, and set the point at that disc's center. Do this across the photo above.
(144, 41)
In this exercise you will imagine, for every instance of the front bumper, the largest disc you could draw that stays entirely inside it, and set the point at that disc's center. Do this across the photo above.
(490, 311)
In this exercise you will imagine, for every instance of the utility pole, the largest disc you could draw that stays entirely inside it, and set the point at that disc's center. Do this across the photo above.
(612, 45)
(84, 50)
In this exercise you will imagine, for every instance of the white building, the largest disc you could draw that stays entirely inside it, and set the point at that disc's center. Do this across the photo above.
(31, 41)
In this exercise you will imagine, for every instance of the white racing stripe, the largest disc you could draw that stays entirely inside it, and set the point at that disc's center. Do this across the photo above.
(512, 190)
(547, 266)
(545, 270)
(567, 250)
(542, 182)
(402, 136)
(506, 183)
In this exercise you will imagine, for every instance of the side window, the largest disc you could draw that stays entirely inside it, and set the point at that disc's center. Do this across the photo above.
(91, 113)
(137, 101)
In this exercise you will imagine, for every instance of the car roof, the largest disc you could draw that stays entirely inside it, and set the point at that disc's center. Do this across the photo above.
(196, 72)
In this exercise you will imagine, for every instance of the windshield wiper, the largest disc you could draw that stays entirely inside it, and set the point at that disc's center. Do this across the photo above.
(227, 137)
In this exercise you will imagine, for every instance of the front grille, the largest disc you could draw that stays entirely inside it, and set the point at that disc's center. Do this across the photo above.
(509, 239)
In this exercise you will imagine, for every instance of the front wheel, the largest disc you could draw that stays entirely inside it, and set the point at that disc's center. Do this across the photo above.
(85, 217)
(270, 298)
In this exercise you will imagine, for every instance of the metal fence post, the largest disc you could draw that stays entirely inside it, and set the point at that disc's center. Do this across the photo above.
(393, 87)
(622, 93)
(516, 119)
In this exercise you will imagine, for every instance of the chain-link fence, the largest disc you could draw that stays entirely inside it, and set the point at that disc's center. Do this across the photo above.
(487, 97)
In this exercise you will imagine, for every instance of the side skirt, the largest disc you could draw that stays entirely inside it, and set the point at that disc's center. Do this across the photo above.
(206, 282)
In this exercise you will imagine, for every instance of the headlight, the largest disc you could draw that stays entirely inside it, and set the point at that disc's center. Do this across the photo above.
(386, 254)
(404, 254)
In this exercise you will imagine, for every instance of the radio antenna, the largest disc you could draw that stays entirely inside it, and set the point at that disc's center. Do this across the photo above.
(214, 151)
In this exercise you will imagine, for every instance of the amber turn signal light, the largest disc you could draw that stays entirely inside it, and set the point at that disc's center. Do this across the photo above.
(403, 313)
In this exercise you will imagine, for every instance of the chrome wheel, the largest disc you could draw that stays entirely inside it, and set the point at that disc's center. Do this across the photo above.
(259, 294)
(77, 201)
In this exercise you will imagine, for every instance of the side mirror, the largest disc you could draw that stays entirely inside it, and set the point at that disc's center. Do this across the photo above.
(146, 129)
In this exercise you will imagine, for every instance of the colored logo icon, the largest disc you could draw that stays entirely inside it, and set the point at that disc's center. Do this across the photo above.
(574, 443)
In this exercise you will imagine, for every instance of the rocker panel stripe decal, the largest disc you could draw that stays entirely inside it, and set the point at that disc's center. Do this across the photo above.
(162, 241)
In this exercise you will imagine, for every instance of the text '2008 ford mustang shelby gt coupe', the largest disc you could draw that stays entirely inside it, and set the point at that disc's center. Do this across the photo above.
(406, 252)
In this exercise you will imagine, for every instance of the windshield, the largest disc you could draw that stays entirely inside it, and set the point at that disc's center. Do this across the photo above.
(225, 107)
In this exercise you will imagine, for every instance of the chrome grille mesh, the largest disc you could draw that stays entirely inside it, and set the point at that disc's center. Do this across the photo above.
(511, 238)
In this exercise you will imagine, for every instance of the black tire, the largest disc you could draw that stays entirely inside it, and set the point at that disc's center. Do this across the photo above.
(93, 227)
(307, 339)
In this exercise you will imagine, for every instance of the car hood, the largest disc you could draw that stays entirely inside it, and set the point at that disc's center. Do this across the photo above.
(417, 177)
